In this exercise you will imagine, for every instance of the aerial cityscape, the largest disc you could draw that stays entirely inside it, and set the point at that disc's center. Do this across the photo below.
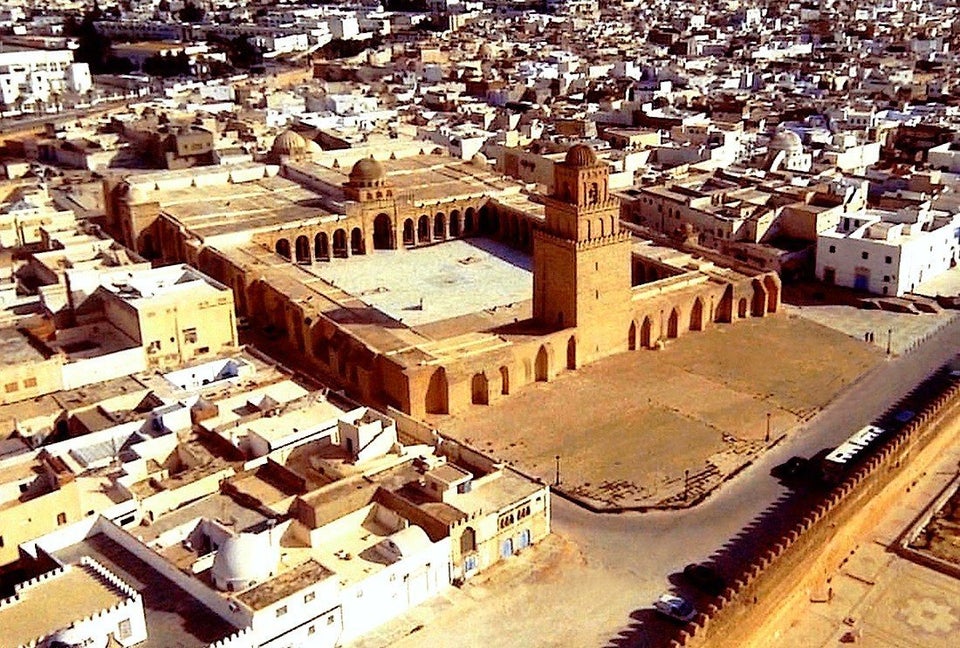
(540, 323)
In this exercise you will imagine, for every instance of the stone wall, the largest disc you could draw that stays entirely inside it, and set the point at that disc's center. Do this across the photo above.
(804, 557)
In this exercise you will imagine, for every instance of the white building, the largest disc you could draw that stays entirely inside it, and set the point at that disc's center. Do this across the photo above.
(886, 252)
(945, 157)
(35, 75)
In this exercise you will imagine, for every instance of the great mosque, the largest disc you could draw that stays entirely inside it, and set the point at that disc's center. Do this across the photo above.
(295, 237)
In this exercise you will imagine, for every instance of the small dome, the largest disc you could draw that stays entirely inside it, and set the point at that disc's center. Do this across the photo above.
(367, 171)
(244, 560)
(289, 143)
(786, 140)
(74, 637)
(580, 155)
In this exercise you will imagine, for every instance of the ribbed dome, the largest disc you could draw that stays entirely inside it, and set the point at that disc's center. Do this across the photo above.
(367, 171)
(289, 143)
(786, 140)
(580, 155)
(244, 560)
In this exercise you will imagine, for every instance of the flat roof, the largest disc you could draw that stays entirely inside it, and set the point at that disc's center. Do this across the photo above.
(15, 348)
(174, 618)
(283, 585)
(433, 283)
(54, 604)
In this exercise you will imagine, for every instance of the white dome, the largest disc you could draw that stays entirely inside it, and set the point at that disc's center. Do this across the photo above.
(405, 543)
(243, 561)
(786, 140)
(74, 637)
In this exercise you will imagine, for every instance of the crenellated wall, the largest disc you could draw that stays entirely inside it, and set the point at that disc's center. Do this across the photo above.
(805, 556)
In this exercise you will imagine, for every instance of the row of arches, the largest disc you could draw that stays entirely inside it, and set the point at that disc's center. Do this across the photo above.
(413, 232)
(440, 227)
(764, 298)
(322, 248)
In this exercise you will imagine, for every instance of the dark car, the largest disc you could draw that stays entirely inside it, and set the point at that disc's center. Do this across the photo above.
(793, 469)
(705, 578)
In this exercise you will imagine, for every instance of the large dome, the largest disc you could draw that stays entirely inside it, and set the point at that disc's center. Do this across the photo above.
(580, 155)
(243, 561)
(367, 171)
(289, 143)
(786, 140)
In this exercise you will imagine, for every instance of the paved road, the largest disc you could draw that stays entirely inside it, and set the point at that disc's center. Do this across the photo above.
(735, 523)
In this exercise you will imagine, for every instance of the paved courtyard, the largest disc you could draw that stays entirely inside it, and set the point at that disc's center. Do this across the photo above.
(659, 428)
(837, 308)
(434, 283)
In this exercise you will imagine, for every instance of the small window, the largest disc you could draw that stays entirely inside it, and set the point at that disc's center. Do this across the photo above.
(190, 335)
(886, 278)
(864, 255)
(10, 387)
(309, 596)
(124, 629)
(61, 519)
(888, 259)
(833, 248)
(330, 620)
(29, 382)
(281, 610)
(311, 630)
(1, 542)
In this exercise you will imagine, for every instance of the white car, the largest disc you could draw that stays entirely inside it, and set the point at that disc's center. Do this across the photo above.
(675, 607)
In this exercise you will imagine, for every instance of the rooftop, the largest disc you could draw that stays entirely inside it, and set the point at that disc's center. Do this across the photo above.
(79, 592)
(174, 618)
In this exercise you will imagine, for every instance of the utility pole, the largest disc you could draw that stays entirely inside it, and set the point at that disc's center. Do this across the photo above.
(889, 337)
(767, 438)
(556, 481)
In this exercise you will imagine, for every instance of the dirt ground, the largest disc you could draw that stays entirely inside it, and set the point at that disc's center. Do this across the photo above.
(628, 427)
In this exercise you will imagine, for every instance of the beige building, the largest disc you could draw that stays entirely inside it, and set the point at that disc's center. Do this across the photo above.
(328, 261)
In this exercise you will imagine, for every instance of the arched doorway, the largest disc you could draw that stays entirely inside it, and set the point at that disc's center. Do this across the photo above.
(303, 249)
(423, 230)
(340, 243)
(673, 324)
(356, 241)
(321, 246)
(440, 227)
(454, 225)
(773, 293)
(321, 348)
(572, 353)
(436, 399)
(382, 233)
(758, 304)
(542, 365)
(725, 307)
(283, 248)
(469, 222)
(504, 380)
(488, 222)
(646, 330)
(742, 308)
(480, 389)
(632, 337)
(409, 236)
(696, 315)
(468, 541)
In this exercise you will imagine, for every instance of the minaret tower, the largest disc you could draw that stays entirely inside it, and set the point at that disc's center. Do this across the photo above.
(581, 259)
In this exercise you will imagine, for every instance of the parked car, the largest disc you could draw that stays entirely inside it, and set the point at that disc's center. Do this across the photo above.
(705, 578)
(792, 469)
(675, 607)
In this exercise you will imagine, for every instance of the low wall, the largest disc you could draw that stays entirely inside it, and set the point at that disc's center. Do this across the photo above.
(803, 559)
